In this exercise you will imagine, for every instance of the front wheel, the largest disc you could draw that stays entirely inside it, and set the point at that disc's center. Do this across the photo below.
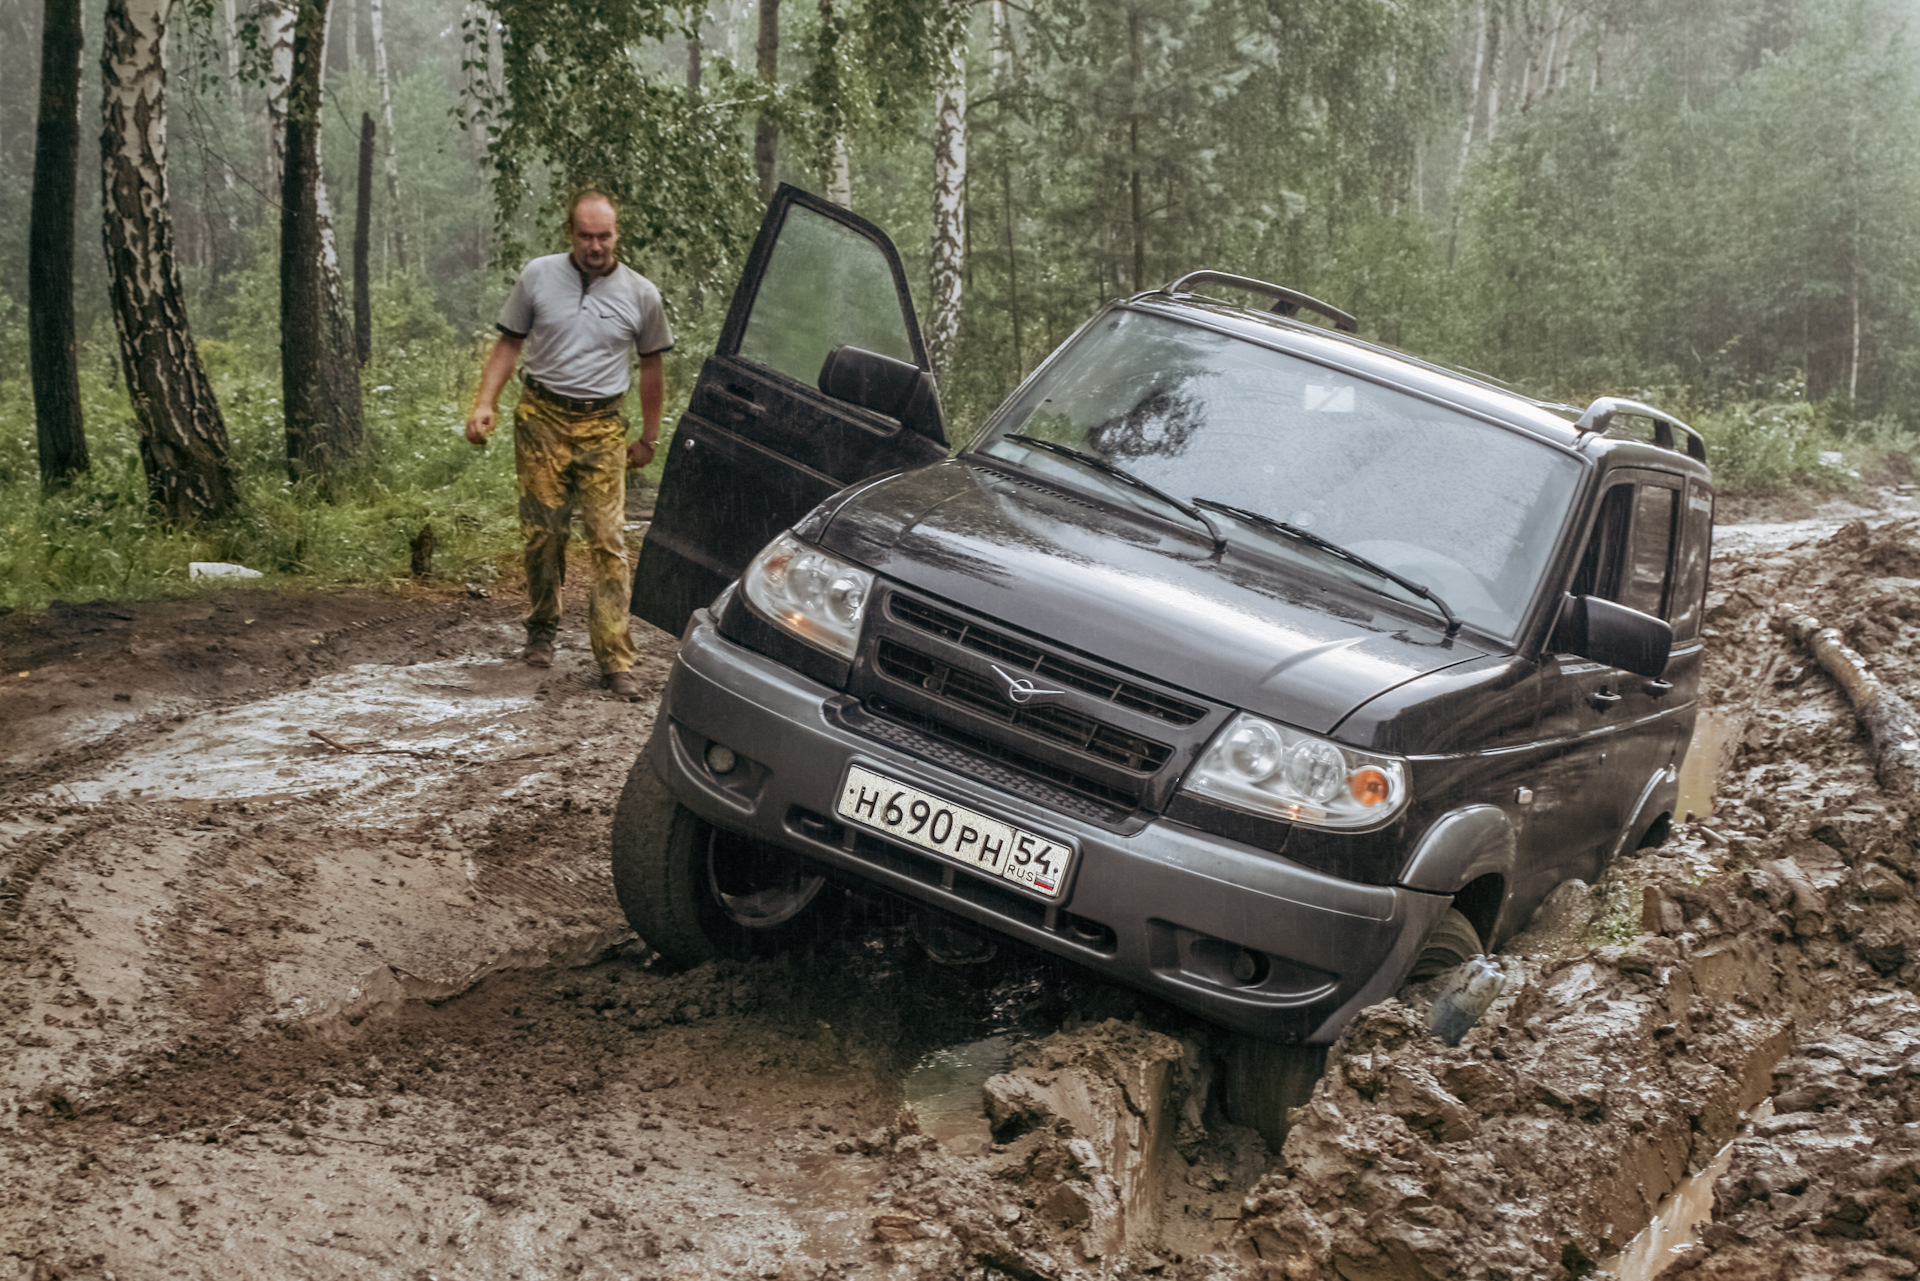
(1452, 941)
(694, 892)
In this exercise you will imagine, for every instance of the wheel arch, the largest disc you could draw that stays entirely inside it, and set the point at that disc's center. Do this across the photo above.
(1468, 853)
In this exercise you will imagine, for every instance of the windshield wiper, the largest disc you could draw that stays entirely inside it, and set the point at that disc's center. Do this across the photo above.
(1335, 549)
(1125, 477)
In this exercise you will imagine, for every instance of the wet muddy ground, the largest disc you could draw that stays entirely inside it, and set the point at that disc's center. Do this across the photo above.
(310, 966)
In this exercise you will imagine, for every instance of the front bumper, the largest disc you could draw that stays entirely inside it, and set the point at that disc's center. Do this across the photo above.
(1235, 934)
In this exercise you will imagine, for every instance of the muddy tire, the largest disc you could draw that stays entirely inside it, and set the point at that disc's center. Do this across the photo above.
(1266, 1081)
(694, 892)
(1452, 941)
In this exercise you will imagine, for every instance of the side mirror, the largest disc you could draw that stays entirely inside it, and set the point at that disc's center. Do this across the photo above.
(1596, 628)
(886, 386)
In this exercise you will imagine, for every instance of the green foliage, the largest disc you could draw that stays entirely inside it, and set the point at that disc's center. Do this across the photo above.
(98, 537)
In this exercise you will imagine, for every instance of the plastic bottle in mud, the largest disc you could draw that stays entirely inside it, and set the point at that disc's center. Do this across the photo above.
(1468, 993)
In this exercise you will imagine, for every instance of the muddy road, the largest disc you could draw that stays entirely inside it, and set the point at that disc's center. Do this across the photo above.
(310, 966)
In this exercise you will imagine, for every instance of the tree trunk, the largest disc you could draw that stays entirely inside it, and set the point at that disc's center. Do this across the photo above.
(320, 385)
(363, 247)
(55, 364)
(766, 134)
(693, 62)
(231, 11)
(836, 158)
(350, 28)
(949, 205)
(276, 32)
(1473, 85)
(1496, 68)
(375, 15)
(183, 440)
(1136, 213)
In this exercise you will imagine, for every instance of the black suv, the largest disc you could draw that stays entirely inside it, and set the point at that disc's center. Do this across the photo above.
(1235, 658)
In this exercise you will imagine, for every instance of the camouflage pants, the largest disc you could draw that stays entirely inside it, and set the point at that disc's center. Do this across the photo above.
(575, 463)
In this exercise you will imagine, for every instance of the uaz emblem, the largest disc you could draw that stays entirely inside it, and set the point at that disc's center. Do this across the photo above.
(1020, 689)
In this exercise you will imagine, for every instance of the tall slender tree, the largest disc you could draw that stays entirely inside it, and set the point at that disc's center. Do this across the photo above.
(766, 133)
(319, 378)
(183, 439)
(376, 17)
(948, 275)
(60, 425)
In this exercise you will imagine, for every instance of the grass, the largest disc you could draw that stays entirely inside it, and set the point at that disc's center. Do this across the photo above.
(97, 537)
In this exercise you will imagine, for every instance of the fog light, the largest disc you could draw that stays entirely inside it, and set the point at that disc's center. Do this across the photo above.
(721, 760)
(1248, 968)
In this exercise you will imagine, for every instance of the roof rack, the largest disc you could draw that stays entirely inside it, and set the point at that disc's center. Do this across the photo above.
(1600, 415)
(1286, 302)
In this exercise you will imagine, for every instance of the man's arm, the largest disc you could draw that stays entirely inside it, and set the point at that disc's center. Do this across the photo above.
(653, 397)
(493, 380)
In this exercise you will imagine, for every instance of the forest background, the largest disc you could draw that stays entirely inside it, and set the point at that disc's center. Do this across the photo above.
(1713, 205)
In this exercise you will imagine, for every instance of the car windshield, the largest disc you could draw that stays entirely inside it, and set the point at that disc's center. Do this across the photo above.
(1464, 507)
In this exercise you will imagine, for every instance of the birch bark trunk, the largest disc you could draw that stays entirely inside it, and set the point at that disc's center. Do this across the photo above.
(839, 159)
(766, 134)
(60, 427)
(375, 15)
(319, 379)
(276, 32)
(183, 439)
(231, 11)
(1473, 86)
(949, 205)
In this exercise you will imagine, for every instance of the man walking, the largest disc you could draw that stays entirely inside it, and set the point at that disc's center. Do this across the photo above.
(580, 317)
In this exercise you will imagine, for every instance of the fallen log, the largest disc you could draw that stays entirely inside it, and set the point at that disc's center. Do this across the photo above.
(1890, 720)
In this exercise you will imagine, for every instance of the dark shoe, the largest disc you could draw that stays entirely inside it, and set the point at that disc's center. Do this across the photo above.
(625, 685)
(539, 651)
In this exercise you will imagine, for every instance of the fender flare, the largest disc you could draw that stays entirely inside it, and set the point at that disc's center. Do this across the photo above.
(1460, 847)
(1653, 797)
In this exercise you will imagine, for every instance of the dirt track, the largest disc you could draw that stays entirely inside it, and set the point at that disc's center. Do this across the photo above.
(278, 1008)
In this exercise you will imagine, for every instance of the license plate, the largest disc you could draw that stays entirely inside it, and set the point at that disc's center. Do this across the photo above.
(953, 831)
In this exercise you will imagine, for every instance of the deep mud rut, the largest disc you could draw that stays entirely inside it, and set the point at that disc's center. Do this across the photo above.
(310, 966)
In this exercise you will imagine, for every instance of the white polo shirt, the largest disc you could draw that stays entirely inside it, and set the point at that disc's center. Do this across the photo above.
(581, 331)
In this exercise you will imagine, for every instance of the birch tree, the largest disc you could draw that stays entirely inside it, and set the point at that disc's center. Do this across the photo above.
(766, 134)
(948, 274)
(55, 364)
(276, 36)
(183, 439)
(319, 378)
(375, 15)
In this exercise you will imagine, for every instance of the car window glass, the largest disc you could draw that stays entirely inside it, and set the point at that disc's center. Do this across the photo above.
(1650, 550)
(1690, 581)
(1467, 508)
(1599, 571)
(825, 284)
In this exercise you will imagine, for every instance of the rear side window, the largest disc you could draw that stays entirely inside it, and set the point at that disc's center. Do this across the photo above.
(1690, 575)
(1650, 550)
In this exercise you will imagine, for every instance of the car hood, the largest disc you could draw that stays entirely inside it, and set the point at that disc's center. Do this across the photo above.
(1251, 627)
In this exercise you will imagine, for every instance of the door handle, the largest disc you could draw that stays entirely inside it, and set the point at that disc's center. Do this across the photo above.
(1658, 687)
(737, 399)
(1603, 698)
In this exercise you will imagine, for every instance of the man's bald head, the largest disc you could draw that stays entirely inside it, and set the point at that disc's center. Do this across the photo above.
(593, 227)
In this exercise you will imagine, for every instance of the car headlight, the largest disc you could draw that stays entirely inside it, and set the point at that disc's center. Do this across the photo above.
(819, 598)
(1256, 765)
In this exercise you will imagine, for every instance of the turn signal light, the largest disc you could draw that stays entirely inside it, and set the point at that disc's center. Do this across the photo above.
(1370, 787)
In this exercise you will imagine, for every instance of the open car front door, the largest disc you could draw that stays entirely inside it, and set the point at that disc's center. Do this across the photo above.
(760, 444)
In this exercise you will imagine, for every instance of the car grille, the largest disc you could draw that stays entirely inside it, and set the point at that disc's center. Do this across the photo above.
(1030, 660)
(1116, 741)
(1062, 725)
